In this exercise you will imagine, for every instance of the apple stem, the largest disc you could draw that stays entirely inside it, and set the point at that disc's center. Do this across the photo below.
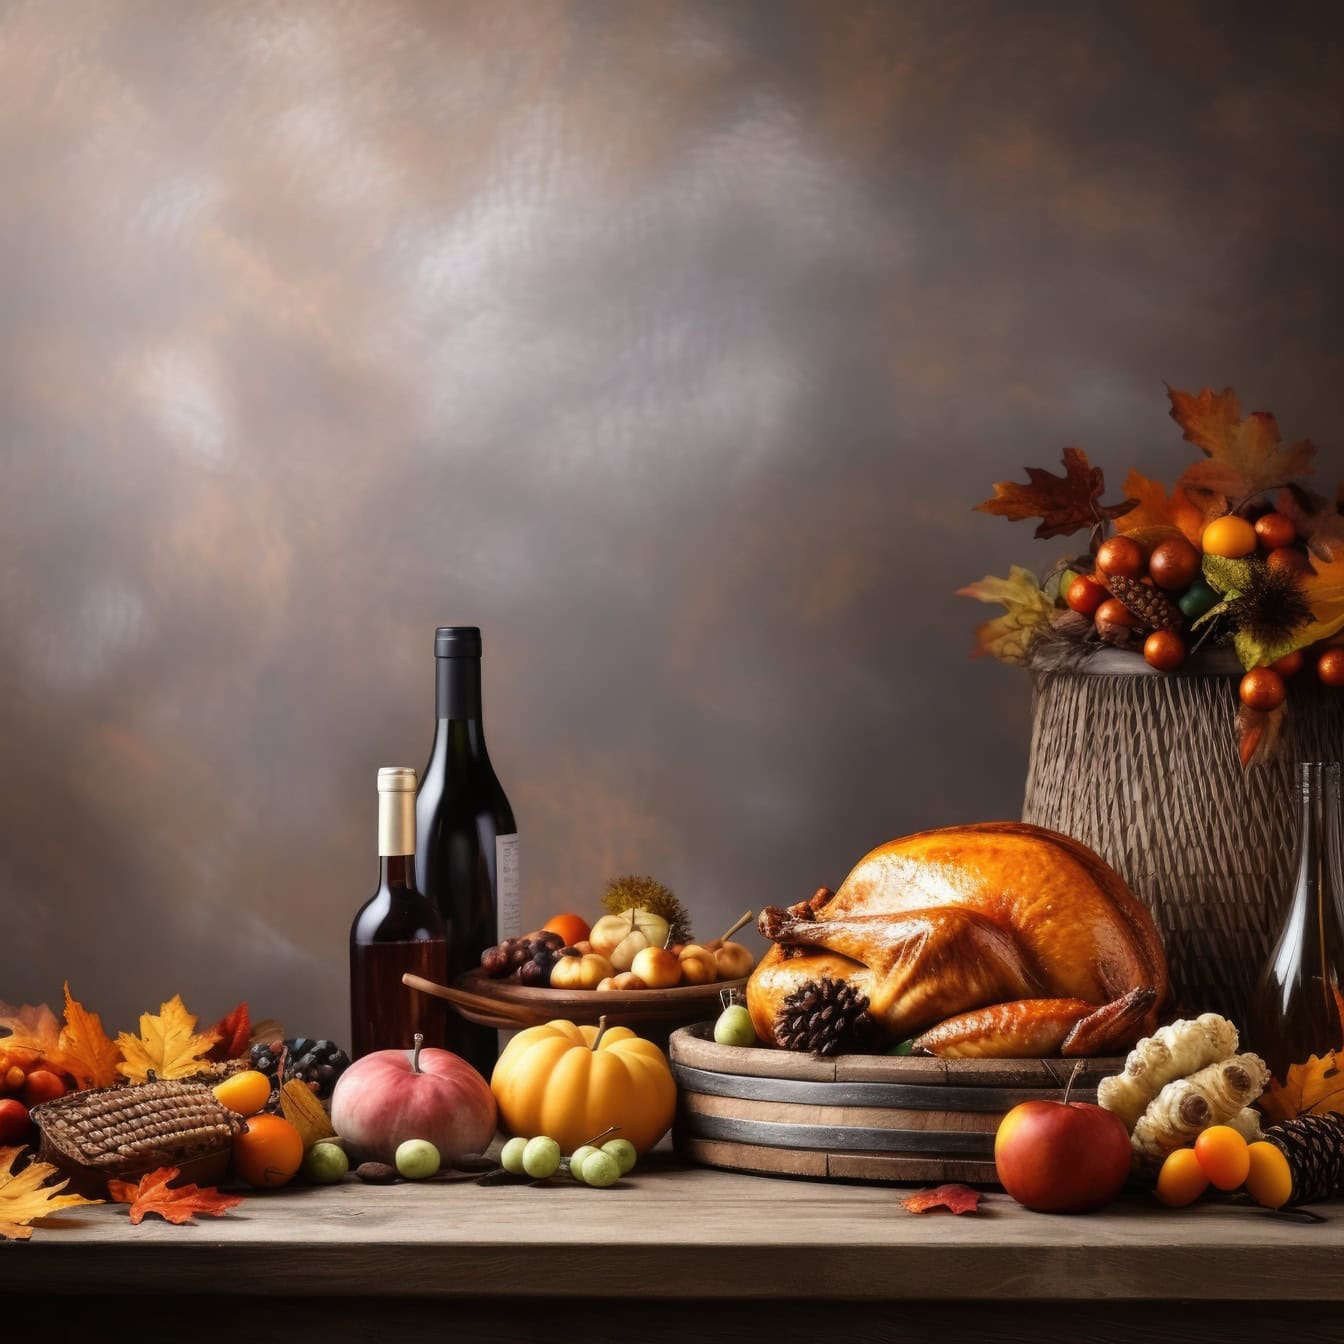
(746, 915)
(601, 1032)
(415, 1054)
(597, 1138)
(1068, 1087)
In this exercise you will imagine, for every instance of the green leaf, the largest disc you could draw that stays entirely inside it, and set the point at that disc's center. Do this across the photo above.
(1229, 577)
(1214, 612)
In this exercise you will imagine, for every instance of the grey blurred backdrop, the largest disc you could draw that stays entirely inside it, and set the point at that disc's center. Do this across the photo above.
(671, 342)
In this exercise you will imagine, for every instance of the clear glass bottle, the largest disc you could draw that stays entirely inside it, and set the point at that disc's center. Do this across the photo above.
(1296, 1008)
(397, 930)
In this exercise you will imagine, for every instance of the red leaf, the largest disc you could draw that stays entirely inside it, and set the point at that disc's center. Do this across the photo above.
(152, 1195)
(1064, 504)
(958, 1198)
(234, 1031)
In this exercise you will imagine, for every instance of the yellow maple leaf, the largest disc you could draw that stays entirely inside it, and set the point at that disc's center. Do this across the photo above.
(166, 1044)
(1157, 517)
(86, 1049)
(1027, 612)
(1244, 457)
(35, 1032)
(25, 1196)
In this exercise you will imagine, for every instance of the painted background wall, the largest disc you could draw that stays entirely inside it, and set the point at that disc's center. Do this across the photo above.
(671, 342)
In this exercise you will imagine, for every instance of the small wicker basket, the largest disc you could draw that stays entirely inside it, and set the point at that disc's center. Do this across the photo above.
(124, 1132)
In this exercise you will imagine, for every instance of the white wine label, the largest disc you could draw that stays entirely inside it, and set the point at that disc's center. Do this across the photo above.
(508, 893)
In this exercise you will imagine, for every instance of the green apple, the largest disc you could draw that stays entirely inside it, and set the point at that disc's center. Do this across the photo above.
(511, 1156)
(624, 1153)
(601, 1169)
(416, 1159)
(541, 1157)
(734, 1027)
(325, 1163)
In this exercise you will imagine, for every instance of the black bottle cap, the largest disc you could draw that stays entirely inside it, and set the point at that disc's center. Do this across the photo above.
(457, 641)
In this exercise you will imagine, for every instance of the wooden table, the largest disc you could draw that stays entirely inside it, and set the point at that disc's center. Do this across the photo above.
(737, 1257)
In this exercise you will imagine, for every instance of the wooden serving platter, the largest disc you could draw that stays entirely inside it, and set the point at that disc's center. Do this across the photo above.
(855, 1117)
(508, 1005)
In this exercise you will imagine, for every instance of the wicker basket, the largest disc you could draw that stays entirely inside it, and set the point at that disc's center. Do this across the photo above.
(1143, 768)
(124, 1132)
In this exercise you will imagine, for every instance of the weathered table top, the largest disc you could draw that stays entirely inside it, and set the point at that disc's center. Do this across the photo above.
(731, 1236)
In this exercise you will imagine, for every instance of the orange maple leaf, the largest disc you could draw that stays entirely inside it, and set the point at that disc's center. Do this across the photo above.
(26, 1196)
(34, 1031)
(957, 1198)
(1313, 1088)
(1244, 458)
(166, 1044)
(1064, 504)
(1157, 517)
(87, 1051)
(153, 1195)
(233, 1035)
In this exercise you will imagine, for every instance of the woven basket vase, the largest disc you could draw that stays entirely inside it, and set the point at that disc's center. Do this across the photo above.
(1143, 768)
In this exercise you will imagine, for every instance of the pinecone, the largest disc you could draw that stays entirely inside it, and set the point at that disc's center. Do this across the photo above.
(823, 1016)
(1153, 608)
(1314, 1147)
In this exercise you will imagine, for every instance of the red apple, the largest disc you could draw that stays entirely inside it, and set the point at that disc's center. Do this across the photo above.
(1062, 1156)
(393, 1095)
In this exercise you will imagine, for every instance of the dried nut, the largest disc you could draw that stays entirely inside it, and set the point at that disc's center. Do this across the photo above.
(376, 1173)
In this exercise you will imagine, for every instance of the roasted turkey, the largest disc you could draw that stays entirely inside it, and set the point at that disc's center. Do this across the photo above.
(996, 940)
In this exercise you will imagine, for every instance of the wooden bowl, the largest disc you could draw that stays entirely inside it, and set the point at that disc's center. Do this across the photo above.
(646, 1011)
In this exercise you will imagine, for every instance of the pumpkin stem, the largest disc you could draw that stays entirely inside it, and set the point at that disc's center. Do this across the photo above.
(601, 1032)
(597, 1138)
(415, 1055)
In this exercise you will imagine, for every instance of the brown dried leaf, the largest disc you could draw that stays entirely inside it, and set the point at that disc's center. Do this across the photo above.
(1319, 523)
(1064, 504)
(1244, 457)
(1258, 732)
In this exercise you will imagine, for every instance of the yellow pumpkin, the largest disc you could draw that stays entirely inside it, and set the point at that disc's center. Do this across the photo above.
(573, 1082)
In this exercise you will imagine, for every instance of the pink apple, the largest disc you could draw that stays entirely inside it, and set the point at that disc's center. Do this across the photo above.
(393, 1095)
(1062, 1156)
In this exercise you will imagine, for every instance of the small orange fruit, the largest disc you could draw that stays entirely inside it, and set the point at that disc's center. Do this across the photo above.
(1275, 530)
(572, 928)
(1329, 667)
(1262, 688)
(268, 1152)
(245, 1092)
(1289, 665)
(1229, 536)
(1120, 558)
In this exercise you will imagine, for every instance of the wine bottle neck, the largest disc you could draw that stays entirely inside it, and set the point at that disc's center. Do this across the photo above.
(457, 689)
(396, 874)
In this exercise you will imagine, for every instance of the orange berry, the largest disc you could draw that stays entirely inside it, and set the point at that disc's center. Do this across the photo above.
(1120, 557)
(1291, 558)
(1275, 530)
(1330, 667)
(268, 1152)
(1289, 665)
(42, 1085)
(1085, 595)
(1229, 536)
(1174, 564)
(245, 1092)
(14, 1077)
(1181, 1180)
(1223, 1156)
(1270, 1179)
(1164, 650)
(1114, 612)
(572, 928)
(1262, 688)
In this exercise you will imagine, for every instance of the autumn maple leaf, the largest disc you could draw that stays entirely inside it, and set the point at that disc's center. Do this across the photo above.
(26, 1196)
(1009, 637)
(957, 1198)
(166, 1044)
(1315, 1087)
(34, 1031)
(233, 1035)
(1244, 457)
(1318, 521)
(154, 1195)
(87, 1051)
(1158, 517)
(1064, 504)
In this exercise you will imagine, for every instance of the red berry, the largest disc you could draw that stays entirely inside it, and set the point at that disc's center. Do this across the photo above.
(1114, 612)
(1164, 650)
(1291, 558)
(1289, 665)
(42, 1085)
(1263, 688)
(1330, 667)
(1275, 530)
(14, 1121)
(1174, 564)
(1120, 557)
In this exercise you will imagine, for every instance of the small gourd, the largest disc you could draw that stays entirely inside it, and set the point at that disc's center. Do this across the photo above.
(572, 1082)
(620, 937)
(579, 971)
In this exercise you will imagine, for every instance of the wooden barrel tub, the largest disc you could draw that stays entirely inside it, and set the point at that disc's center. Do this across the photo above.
(855, 1117)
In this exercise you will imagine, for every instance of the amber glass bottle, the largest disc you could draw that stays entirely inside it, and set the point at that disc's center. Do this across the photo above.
(1295, 1010)
(397, 930)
